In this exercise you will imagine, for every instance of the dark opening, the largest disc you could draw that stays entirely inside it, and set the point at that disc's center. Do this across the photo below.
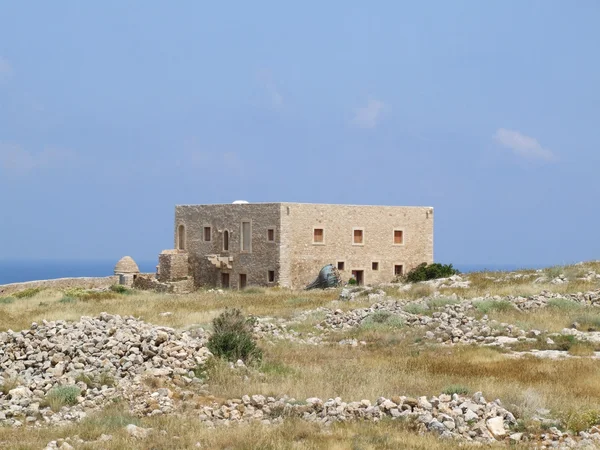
(224, 280)
(242, 281)
(181, 237)
(207, 234)
(226, 241)
(398, 269)
(340, 265)
(271, 276)
(270, 235)
(375, 265)
(359, 276)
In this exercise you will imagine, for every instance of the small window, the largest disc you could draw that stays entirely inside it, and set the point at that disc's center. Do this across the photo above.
(246, 243)
(207, 233)
(398, 269)
(181, 237)
(271, 235)
(271, 276)
(341, 265)
(357, 237)
(375, 265)
(243, 282)
(226, 241)
(398, 237)
(318, 236)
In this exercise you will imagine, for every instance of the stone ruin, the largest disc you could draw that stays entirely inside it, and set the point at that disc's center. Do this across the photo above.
(172, 273)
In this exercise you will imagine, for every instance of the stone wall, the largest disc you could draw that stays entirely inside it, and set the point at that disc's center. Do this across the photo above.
(303, 259)
(60, 283)
(148, 281)
(173, 265)
(255, 264)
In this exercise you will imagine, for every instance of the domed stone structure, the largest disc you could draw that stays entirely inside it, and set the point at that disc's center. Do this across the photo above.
(126, 265)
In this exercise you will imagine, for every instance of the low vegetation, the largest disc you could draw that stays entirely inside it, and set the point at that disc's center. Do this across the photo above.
(61, 396)
(424, 272)
(232, 337)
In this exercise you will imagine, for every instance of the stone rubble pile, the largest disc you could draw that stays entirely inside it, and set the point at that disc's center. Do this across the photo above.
(467, 418)
(278, 329)
(50, 355)
(452, 325)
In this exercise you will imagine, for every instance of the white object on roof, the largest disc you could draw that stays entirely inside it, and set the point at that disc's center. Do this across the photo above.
(240, 202)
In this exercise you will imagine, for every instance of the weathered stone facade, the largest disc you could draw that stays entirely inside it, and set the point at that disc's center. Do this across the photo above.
(280, 247)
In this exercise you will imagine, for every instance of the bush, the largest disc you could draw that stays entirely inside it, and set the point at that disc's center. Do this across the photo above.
(232, 337)
(352, 281)
(6, 300)
(563, 304)
(67, 300)
(588, 322)
(120, 289)
(488, 306)
(424, 272)
(27, 293)
(62, 396)
(456, 389)
(382, 319)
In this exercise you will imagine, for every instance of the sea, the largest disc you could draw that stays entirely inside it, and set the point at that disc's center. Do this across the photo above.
(30, 270)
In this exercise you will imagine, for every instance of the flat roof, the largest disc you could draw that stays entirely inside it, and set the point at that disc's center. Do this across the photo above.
(302, 203)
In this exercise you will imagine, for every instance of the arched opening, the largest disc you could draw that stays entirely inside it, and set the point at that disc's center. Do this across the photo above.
(181, 237)
(226, 241)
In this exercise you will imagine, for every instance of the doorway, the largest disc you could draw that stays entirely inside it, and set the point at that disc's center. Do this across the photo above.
(359, 276)
(224, 280)
(242, 281)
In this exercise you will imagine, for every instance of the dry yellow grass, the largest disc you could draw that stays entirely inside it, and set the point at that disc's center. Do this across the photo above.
(184, 433)
(395, 362)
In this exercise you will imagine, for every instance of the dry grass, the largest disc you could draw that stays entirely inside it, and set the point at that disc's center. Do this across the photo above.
(198, 308)
(184, 433)
(395, 362)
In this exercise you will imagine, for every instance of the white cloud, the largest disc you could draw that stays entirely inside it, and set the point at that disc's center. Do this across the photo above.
(369, 115)
(6, 69)
(274, 95)
(522, 145)
(14, 159)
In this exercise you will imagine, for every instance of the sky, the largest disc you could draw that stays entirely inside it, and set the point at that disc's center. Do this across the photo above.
(113, 112)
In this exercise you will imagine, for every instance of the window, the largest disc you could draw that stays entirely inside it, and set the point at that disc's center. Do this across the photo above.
(271, 235)
(318, 236)
(242, 284)
(207, 233)
(271, 276)
(357, 236)
(375, 265)
(340, 265)
(398, 269)
(398, 237)
(181, 237)
(226, 241)
(246, 244)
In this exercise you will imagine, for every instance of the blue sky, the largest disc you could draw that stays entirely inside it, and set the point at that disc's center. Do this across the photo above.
(113, 112)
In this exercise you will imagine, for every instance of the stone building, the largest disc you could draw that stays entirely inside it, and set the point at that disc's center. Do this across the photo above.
(286, 244)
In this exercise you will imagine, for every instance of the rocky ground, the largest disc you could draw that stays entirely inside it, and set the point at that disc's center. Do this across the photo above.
(59, 372)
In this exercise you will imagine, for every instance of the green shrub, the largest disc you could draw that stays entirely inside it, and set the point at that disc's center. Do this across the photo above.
(417, 308)
(120, 289)
(441, 302)
(232, 337)
(456, 389)
(67, 300)
(564, 341)
(424, 272)
(488, 306)
(352, 281)
(96, 380)
(382, 319)
(581, 420)
(563, 304)
(27, 293)
(588, 322)
(6, 300)
(61, 396)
